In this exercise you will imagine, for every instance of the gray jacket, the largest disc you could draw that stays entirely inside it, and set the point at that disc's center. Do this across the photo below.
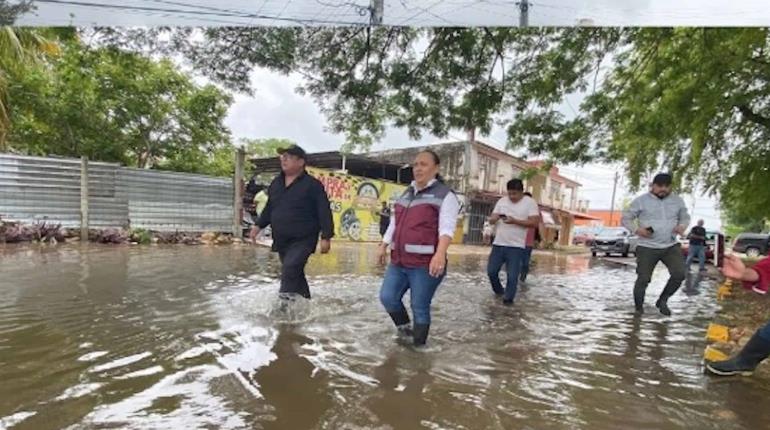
(663, 215)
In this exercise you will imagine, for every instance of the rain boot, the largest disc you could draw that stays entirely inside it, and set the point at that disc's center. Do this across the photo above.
(421, 334)
(401, 320)
(745, 362)
(662, 303)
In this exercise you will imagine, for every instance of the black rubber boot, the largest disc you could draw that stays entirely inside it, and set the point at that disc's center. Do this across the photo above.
(421, 334)
(745, 362)
(662, 305)
(401, 320)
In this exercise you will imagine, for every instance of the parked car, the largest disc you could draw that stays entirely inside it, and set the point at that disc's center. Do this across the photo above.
(614, 240)
(752, 244)
(710, 240)
(584, 235)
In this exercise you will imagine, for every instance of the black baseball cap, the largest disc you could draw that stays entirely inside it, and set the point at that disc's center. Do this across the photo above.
(663, 179)
(294, 150)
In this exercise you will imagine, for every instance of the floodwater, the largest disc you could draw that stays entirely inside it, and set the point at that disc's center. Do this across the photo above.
(191, 338)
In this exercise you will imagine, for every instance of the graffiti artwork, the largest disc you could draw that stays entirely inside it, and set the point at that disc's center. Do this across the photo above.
(355, 202)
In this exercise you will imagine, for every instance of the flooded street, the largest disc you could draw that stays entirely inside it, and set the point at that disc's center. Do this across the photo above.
(191, 337)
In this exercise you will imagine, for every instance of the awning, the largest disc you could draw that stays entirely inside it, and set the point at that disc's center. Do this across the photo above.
(581, 215)
(548, 219)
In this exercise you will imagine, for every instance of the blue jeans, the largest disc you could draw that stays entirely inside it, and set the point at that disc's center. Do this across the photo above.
(764, 332)
(418, 281)
(525, 263)
(700, 252)
(513, 259)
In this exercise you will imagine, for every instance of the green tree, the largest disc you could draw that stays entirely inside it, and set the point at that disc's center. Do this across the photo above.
(264, 148)
(10, 10)
(695, 101)
(21, 49)
(113, 105)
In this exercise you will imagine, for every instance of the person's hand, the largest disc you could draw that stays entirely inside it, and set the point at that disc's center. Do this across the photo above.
(679, 230)
(253, 234)
(733, 267)
(382, 254)
(494, 218)
(512, 221)
(643, 232)
(437, 264)
(326, 245)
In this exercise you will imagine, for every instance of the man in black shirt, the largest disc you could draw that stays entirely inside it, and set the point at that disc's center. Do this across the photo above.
(297, 209)
(384, 218)
(697, 238)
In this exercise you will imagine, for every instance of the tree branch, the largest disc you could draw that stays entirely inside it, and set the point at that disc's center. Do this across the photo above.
(752, 116)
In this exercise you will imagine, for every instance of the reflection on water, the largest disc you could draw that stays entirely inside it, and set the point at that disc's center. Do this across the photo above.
(196, 337)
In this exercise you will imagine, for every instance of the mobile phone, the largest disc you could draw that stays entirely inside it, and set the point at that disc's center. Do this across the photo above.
(650, 229)
(503, 216)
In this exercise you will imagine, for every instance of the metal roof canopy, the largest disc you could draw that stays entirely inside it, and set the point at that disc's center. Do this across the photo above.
(355, 164)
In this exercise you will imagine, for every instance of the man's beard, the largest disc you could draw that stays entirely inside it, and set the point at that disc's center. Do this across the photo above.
(661, 195)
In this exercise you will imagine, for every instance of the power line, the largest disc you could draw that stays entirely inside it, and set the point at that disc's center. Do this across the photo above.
(220, 13)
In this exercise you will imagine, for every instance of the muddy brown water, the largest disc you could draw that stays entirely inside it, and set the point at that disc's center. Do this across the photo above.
(95, 337)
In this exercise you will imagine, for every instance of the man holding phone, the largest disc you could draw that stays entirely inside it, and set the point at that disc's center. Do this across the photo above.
(512, 216)
(658, 217)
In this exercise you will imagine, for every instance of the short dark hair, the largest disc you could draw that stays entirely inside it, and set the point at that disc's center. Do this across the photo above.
(528, 194)
(515, 185)
(663, 179)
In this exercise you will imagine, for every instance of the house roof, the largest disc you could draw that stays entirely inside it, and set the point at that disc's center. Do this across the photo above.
(355, 164)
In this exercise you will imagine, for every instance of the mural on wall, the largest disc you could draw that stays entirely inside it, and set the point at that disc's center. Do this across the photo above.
(355, 202)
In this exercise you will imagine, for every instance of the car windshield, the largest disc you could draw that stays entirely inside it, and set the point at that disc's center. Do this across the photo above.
(615, 232)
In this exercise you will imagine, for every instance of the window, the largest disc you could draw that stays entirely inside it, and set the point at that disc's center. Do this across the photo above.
(487, 168)
(555, 192)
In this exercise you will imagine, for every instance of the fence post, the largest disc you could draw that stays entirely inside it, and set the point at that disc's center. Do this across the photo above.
(240, 156)
(84, 199)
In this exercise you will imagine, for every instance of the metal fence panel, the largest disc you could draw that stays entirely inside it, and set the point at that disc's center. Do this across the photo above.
(36, 189)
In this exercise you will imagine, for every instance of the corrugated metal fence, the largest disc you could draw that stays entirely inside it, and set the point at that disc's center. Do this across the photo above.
(34, 189)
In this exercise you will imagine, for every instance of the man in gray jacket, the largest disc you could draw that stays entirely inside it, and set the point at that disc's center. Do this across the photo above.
(658, 217)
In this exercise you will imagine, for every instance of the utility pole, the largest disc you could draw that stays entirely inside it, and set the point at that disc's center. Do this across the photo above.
(523, 13)
(612, 204)
(376, 8)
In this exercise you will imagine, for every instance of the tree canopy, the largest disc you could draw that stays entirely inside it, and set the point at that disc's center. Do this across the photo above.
(694, 101)
(113, 105)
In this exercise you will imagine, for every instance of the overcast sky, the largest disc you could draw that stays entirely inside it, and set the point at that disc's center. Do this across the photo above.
(400, 12)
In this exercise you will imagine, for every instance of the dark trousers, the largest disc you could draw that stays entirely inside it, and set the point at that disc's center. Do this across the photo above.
(647, 259)
(294, 256)
(512, 258)
(525, 263)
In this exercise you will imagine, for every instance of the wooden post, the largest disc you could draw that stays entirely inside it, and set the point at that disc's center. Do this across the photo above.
(84, 199)
(240, 156)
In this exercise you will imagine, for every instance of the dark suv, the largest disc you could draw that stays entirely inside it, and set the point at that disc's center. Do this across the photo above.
(752, 244)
